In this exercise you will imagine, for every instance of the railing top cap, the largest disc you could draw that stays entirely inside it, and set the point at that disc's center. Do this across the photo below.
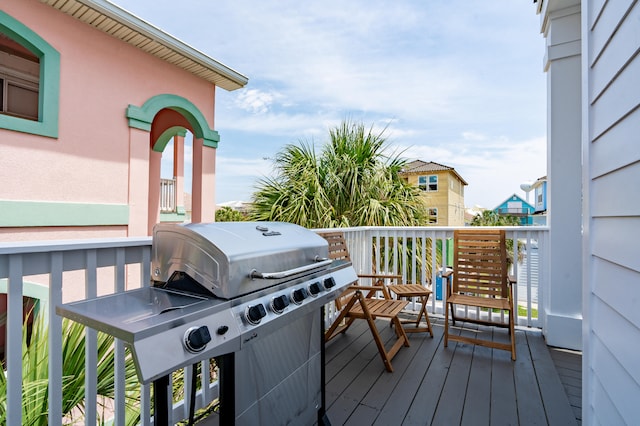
(68, 245)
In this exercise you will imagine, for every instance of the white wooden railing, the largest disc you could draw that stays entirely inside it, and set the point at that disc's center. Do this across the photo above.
(53, 262)
(384, 248)
(168, 195)
(114, 265)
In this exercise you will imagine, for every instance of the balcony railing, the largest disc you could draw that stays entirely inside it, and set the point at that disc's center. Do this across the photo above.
(168, 195)
(514, 211)
(109, 266)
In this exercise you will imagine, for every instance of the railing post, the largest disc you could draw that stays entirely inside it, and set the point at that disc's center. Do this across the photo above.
(14, 341)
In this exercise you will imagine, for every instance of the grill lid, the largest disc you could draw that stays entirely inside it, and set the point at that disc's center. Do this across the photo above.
(231, 259)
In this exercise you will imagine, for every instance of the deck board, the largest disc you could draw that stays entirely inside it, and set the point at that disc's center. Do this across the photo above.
(461, 384)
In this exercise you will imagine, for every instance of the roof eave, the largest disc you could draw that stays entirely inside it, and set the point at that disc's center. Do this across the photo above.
(227, 78)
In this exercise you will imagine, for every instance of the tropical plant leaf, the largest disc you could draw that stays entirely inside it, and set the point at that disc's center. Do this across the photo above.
(35, 373)
(350, 182)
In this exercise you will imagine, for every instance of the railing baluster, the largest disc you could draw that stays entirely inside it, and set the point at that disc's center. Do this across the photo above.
(119, 353)
(14, 341)
(91, 343)
(55, 340)
(145, 405)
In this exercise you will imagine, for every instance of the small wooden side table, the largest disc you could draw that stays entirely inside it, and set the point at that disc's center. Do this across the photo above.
(415, 290)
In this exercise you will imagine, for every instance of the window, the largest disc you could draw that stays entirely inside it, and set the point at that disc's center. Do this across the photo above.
(29, 80)
(19, 80)
(19, 98)
(428, 183)
(432, 215)
(433, 183)
(422, 182)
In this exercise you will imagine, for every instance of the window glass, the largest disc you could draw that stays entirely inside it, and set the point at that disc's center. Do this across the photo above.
(422, 182)
(22, 101)
(19, 76)
(432, 215)
(433, 183)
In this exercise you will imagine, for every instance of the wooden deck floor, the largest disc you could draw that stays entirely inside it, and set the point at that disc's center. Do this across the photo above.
(432, 385)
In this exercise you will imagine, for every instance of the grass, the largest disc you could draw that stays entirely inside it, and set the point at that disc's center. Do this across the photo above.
(522, 311)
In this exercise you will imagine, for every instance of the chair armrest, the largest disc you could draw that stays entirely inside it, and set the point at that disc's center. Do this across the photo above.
(380, 276)
(364, 287)
(446, 275)
(379, 282)
(372, 290)
(512, 279)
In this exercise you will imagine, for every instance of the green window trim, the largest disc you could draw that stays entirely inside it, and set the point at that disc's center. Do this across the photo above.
(45, 213)
(49, 89)
(142, 117)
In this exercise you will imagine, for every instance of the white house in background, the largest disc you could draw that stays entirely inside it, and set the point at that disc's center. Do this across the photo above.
(592, 61)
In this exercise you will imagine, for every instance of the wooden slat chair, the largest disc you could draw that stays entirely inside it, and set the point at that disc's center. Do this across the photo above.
(480, 279)
(354, 304)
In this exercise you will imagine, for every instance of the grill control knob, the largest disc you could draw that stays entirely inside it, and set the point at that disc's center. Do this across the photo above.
(298, 295)
(314, 289)
(278, 304)
(196, 339)
(255, 313)
(329, 282)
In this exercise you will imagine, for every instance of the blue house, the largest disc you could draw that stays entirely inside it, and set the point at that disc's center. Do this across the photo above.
(540, 201)
(517, 207)
(540, 194)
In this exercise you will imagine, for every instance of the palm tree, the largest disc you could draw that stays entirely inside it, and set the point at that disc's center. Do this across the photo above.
(491, 218)
(350, 182)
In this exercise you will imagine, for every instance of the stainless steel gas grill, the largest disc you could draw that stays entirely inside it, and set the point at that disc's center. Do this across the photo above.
(250, 294)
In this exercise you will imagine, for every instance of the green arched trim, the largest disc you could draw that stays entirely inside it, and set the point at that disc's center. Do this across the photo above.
(35, 291)
(49, 91)
(166, 136)
(142, 117)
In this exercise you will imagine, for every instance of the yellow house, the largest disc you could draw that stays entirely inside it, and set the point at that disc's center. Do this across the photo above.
(442, 190)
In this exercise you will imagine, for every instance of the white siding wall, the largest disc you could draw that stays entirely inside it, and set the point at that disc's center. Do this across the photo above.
(611, 148)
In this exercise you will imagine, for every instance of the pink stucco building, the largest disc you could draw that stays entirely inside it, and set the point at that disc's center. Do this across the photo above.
(90, 96)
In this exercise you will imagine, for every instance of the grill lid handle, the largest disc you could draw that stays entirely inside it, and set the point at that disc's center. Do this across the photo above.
(320, 262)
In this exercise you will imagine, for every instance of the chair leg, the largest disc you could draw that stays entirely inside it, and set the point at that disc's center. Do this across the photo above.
(446, 327)
(386, 356)
(400, 331)
(335, 327)
(386, 359)
(421, 314)
(512, 335)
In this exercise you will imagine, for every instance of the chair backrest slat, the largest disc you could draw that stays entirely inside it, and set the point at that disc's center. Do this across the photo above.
(338, 251)
(337, 245)
(480, 262)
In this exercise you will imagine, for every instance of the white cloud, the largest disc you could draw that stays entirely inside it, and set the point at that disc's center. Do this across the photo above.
(460, 82)
(256, 101)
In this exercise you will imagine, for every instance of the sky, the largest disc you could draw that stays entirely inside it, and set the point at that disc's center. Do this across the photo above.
(457, 82)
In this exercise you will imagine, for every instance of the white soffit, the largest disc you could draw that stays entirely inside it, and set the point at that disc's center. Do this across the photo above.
(113, 20)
